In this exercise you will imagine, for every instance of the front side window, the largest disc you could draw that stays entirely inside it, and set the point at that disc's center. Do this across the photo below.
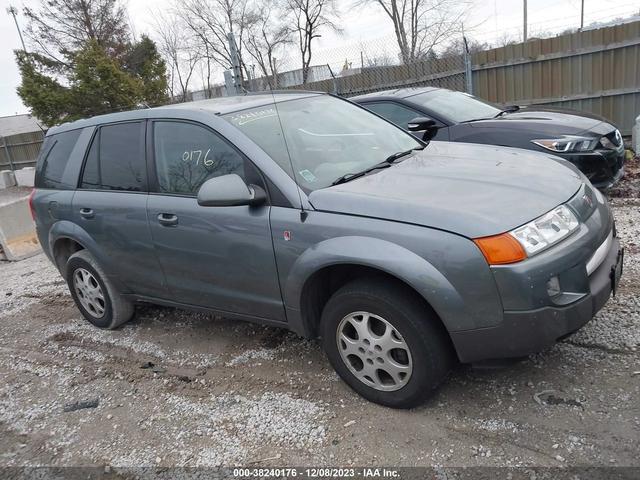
(56, 150)
(116, 159)
(394, 112)
(187, 155)
(453, 106)
(321, 138)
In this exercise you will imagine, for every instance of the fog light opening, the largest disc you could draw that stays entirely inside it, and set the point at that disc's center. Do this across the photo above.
(553, 287)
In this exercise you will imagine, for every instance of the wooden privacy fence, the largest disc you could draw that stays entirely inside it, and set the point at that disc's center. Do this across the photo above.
(595, 71)
(20, 150)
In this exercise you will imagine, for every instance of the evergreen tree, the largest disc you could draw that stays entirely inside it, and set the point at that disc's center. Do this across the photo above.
(95, 84)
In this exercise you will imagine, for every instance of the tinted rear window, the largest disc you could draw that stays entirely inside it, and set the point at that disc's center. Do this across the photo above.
(116, 159)
(56, 150)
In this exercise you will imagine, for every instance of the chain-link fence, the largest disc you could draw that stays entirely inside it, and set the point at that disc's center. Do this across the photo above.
(362, 68)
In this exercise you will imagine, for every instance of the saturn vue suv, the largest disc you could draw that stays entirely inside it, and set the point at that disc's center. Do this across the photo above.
(307, 212)
(588, 141)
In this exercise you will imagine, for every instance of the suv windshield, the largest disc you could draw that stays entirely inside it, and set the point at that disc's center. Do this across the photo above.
(326, 137)
(455, 107)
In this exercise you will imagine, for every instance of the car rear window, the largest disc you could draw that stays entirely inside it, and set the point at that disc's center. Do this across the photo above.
(56, 150)
(116, 159)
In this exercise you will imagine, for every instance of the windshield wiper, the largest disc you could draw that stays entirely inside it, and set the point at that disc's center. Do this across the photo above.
(476, 119)
(347, 177)
(509, 109)
(395, 156)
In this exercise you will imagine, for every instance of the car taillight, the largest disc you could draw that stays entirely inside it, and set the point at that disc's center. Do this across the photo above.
(33, 213)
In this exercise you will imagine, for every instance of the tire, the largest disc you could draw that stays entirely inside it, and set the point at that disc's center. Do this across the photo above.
(94, 294)
(398, 376)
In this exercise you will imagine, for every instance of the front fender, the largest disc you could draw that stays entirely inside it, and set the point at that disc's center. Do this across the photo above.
(382, 255)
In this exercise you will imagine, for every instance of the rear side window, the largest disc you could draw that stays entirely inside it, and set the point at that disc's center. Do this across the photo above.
(116, 159)
(56, 151)
(187, 155)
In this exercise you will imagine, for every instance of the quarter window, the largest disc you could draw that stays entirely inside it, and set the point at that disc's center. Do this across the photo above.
(186, 155)
(56, 150)
(116, 159)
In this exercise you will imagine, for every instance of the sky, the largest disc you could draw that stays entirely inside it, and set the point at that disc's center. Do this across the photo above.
(368, 28)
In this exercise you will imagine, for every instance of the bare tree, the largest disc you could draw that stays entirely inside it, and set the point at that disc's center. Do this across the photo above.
(456, 47)
(422, 25)
(310, 18)
(265, 38)
(58, 28)
(175, 44)
(212, 20)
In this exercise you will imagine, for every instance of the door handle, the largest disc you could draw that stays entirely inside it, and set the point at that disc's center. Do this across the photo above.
(168, 219)
(87, 213)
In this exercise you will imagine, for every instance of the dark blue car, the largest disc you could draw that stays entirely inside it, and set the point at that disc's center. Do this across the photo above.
(588, 141)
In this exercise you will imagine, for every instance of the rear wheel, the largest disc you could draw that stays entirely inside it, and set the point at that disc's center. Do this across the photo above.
(94, 294)
(385, 342)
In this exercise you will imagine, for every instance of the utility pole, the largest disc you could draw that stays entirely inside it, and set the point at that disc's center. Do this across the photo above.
(235, 64)
(582, 15)
(11, 10)
(524, 35)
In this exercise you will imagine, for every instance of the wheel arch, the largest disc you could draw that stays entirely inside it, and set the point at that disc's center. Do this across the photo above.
(326, 266)
(67, 238)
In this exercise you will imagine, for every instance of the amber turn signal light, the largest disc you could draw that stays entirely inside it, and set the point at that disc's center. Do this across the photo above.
(501, 249)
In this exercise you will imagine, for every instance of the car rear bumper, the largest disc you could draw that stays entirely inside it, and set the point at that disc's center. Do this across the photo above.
(529, 331)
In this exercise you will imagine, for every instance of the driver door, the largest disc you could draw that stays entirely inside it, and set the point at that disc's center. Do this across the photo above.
(217, 257)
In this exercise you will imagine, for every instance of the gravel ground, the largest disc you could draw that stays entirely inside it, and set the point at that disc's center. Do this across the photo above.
(174, 388)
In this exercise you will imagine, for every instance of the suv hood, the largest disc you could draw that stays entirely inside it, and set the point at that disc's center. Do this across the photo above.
(548, 122)
(473, 190)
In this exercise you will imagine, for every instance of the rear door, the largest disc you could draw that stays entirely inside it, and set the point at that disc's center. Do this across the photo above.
(54, 187)
(111, 205)
(217, 257)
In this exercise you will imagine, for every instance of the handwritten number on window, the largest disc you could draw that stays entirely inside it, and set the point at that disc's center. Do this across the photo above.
(195, 156)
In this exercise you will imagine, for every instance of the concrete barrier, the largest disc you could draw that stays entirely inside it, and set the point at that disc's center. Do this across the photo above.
(7, 179)
(25, 176)
(18, 238)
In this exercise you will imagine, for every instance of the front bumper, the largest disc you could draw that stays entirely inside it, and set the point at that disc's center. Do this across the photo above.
(603, 168)
(524, 332)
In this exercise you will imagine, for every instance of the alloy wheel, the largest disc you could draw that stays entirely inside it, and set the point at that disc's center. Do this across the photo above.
(89, 292)
(374, 351)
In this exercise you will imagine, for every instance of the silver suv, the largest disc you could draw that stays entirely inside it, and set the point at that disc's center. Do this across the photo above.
(305, 211)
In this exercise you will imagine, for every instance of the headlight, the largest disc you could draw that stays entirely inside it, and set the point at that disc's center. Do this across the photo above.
(529, 239)
(546, 230)
(613, 143)
(568, 143)
(606, 143)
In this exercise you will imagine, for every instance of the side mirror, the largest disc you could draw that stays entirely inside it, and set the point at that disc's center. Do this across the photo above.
(419, 124)
(426, 124)
(229, 191)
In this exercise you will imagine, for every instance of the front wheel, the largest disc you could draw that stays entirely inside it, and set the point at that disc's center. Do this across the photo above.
(95, 296)
(385, 342)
